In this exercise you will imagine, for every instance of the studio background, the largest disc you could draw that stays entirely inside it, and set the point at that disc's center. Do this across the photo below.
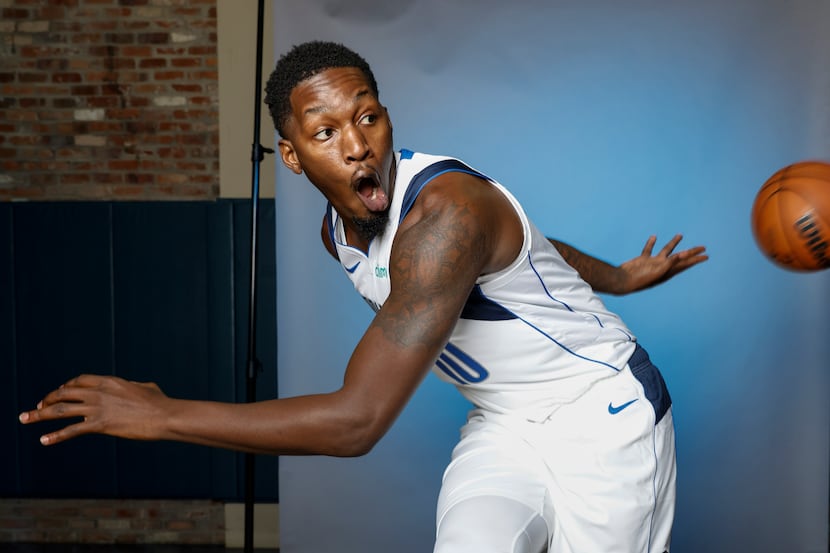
(610, 122)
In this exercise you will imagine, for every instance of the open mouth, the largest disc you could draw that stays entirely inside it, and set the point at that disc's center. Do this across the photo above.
(370, 192)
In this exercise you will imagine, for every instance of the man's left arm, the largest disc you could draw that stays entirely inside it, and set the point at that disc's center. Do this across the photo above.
(641, 272)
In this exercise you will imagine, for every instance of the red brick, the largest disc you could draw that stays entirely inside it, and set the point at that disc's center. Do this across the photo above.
(137, 51)
(98, 54)
(136, 25)
(123, 164)
(64, 25)
(171, 51)
(136, 178)
(202, 50)
(120, 63)
(65, 102)
(123, 114)
(168, 75)
(86, 90)
(103, 50)
(153, 63)
(86, 38)
(11, 13)
(187, 87)
(119, 38)
(32, 77)
(51, 12)
(32, 102)
(74, 178)
(186, 62)
(153, 38)
(66, 78)
(105, 25)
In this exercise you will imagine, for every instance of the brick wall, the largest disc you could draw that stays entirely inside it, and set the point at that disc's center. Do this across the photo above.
(111, 521)
(108, 99)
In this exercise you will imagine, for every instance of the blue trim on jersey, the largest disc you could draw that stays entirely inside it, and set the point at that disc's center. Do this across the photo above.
(481, 308)
(427, 174)
(406, 154)
(547, 292)
(568, 307)
(551, 338)
(555, 341)
(330, 225)
(652, 381)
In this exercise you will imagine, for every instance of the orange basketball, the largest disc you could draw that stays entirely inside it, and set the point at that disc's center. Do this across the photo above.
(791, 216)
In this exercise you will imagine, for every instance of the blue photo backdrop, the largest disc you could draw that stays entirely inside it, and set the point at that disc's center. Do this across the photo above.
(610, 121)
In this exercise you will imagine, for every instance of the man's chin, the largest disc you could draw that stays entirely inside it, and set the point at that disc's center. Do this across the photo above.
(371, 226)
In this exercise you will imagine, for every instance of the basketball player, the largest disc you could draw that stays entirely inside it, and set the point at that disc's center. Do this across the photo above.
(570, 447)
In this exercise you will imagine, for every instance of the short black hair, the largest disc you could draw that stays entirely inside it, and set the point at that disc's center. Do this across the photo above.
(304, 61)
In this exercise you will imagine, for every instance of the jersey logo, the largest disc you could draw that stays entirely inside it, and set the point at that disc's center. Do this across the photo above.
(381, 272)
(353, 268)
(614, 410)
(461, 367)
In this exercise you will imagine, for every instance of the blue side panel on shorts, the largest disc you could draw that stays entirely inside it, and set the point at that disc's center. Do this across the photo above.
(649, 376)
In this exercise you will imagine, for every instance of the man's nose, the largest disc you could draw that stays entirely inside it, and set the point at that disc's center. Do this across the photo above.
(355, 147)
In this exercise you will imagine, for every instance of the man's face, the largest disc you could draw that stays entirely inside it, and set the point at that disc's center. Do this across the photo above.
(341, 137)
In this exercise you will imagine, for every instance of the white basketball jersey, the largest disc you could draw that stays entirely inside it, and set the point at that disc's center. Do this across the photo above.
(531, 337)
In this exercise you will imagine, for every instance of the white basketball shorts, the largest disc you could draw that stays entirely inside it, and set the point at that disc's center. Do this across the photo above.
(597, 477)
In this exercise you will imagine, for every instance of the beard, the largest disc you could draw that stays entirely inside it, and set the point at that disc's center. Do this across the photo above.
(369, 227)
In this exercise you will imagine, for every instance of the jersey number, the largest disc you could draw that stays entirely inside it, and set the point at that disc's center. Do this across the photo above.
(461, 367)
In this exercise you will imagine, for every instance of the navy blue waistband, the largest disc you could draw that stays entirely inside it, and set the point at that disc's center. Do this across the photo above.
(652, 381)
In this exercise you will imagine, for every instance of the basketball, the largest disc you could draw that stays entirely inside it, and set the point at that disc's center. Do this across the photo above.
(791, 217)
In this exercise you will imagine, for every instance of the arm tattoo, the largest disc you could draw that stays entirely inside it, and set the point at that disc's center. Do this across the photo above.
(434, 266)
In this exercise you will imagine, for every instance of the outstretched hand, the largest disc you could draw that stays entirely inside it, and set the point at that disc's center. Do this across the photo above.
(647, 270)
(105, 405)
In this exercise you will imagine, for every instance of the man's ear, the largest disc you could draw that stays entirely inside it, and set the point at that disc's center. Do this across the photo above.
(289, 156)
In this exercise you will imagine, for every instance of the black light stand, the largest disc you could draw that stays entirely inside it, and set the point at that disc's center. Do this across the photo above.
(253, 365)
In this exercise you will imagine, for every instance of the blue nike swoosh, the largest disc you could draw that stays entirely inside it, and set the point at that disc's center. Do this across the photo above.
(614, 410)
(353, 268)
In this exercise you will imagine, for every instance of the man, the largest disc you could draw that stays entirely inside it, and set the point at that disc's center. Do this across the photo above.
(570, 447)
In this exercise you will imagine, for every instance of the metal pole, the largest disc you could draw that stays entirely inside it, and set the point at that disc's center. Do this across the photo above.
(253, 365)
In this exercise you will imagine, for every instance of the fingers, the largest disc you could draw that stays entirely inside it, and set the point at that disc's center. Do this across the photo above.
(59, 411)
(670, 245)
(697, 251)
(76, 390)
(649, 245)
(54, 410)
(687, 259)
(70, 400)
(64, 434)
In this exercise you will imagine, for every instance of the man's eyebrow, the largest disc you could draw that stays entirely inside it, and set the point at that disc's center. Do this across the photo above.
(323, 108)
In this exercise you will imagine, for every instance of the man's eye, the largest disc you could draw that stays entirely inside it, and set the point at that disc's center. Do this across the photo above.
(324, 134)
(368, 119)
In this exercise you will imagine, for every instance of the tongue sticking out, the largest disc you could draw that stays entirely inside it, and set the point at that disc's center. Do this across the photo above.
(374, 198)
